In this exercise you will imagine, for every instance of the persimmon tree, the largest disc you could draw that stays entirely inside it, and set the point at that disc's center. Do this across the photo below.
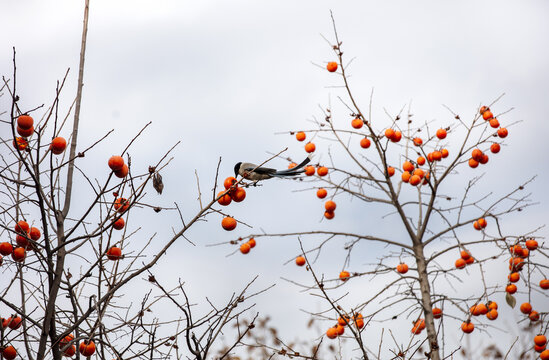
(423, 176)
(71, 251)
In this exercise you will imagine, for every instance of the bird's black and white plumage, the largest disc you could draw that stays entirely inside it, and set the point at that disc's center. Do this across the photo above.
(252, 172)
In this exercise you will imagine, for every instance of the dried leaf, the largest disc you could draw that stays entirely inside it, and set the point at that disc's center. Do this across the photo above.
(157, 183)
(511, 301)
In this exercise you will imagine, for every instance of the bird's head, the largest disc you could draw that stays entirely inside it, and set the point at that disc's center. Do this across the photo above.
(237, 169)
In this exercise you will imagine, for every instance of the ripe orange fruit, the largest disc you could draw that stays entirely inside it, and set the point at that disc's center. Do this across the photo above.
(230, 181)
(487, 115)
(397, 136)
(476, 154)
(116, 162)
(465, 255)
(58, 145)
(502, 132)
(300, 136)
(87, 348)
(511, 288)
(430, 157)
(495, 148)
(417, 141)
(122, 173)
(415, 180)
(419, 173)
(300, 261)
(19, 254)
(20, 143)
(225, 199)
(514, 277)
(66, 340)
(6, 248)
(460, 263)
(544, 284)
(25, 132)
(531, 244)
(420, 324)
(25, 122)
(540, 340)
(402, 268)
(22, 241)
(321, 193)
(389, 133)
(441, 133)
(228, 223)
(22, 227)
(492, 305)
(310, 147)
(406, 176)
(365, 143)
(329, 215)
(121, 205)
(390, 171)
(492, 314)
(309, 170)
(252, 243)
(322, 171)
(15, 323)
(539, 349)
(114, 253)
(483, 109)
(437, 155)
(484, 159)
(238, 194)
(444, 153)
(408, 166)
(526, 308)
(544, 355)
(70, 351)
(245, 248)
(340, 329)
(482, 222)
(357, 123)
(331, 333)
(467, 327)
(118, 224)
(420, 160)
(34, 233)
(534, 316)
(437, 313)
(331, 66)
(473, 163)
(292, 165)
(494, 123)
(344, 275)
(359, 320)
(330, 205)
(470, 260)
(9, 353)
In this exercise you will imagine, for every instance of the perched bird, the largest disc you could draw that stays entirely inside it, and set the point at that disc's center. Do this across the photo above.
(252, 172)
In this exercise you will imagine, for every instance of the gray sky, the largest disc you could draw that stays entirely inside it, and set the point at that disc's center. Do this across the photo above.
(224, 77)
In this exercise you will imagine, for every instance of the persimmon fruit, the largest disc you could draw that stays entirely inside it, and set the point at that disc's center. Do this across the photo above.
(252, 243)
(19, 254)
(238, 194)
(390, 171)
(441, 133)
(300, 136)
(344, 275)
(544, 284)
(357, 123)
(365, 143)
(417, 141)
(330, 205)
(531, 244)
(322, 171)
(22, 227)
(25, 122)
(121, 204)
(230, 181)
(331, 66)
(321, 193)
(116, 162)
(329, 215)
(540, 340)
(300, 261)
(25, 132)
(58, 145)
(6, 248)
(35, 233)
(467, 327)
(460, 263)
(437, 313)
(119, 224)
(245, 248)
(228, 223)
(487, 115)
(402, 268)
(495, 148)
(494, 123)
(503, 132)
(331, 333)
(526, 308)
(511, 288)
(534, 316)
(9, 352)
(310, 147)
(225, 199)
(87, 348)
(114, 253)
(20, 143)
(309, 170)
(420, 160)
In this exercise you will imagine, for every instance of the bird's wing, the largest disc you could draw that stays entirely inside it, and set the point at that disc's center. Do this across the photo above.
(259, 170)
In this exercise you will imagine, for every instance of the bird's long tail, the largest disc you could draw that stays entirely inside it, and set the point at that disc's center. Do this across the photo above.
(295, 170)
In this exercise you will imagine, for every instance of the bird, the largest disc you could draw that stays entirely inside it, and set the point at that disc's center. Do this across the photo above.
(251, 171)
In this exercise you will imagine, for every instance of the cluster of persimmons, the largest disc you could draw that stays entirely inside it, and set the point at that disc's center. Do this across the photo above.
(25, 128)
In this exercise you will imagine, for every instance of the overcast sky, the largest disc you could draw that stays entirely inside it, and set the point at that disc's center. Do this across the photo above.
(223, 77)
